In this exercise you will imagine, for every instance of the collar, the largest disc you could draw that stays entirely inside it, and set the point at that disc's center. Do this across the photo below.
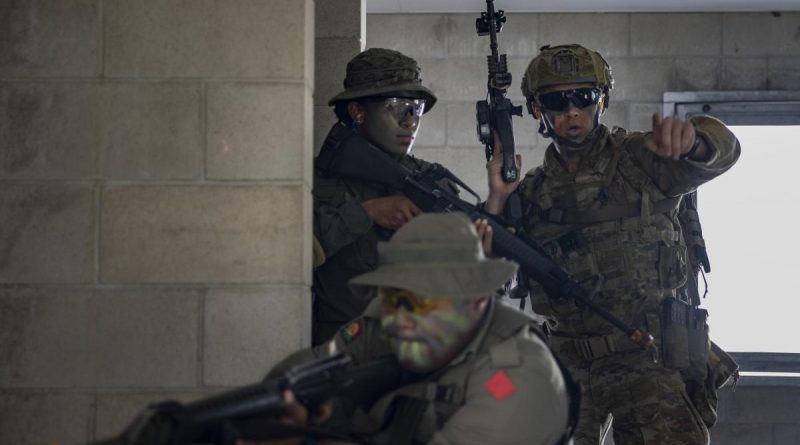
(552, 163)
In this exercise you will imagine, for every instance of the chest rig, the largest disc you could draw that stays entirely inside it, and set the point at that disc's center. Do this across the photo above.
(609, 226)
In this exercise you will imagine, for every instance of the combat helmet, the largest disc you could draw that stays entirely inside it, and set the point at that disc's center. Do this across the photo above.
(556, 65)
(384, 72)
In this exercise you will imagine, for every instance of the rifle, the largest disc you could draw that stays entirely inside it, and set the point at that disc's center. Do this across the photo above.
(347, 153)
(244, 413)
(494, 115)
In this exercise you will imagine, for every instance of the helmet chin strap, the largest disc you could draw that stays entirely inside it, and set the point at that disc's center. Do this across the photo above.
(547, 129)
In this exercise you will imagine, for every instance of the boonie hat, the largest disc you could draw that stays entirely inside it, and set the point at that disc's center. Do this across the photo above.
(384, 72)
(437, 255)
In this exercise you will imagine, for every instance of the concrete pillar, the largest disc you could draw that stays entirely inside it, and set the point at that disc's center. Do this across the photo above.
(155, 177)
(340, 34)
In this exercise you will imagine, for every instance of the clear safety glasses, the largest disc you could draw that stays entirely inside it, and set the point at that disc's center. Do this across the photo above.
(402, 107)
(393, 298)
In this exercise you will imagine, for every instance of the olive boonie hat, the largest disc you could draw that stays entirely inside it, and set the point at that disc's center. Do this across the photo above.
(557, 65)
(384, 72)
(437, 255)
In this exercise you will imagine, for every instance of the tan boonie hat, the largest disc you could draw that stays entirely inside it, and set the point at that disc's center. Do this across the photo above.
(384, 72)
(557, 65)
(437, 255)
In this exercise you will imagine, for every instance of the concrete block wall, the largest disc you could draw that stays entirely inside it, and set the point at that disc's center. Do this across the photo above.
(155, 210)
(649, 54)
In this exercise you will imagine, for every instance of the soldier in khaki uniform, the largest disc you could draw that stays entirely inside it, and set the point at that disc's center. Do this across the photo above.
(604, 205)
(481, 372)
(383, 100)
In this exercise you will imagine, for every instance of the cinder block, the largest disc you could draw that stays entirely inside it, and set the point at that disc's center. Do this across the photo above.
(47, 233)
(114, 412)
(257, 131)
(207, 234)
(48, 131)
(247, 331)
(675, 34)
(432, 127)
(38, 418)
(152, 131)
(616, 114)
(49, 38)
(415, 35)
(519, 37)
(744, 74)
(785, 434)
(783, 73)
(741, 433)
(643, 79)
(753, 404)
(332, 55)
(455, 79)
(760, 34)
(108, 337)
(324, 118)
(340, 18)
(207, 38)
(605, 33)
(640, 115)
(697, 73)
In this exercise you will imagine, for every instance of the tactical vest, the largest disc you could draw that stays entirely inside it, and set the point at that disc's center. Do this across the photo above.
(611, 227)
(413, 413)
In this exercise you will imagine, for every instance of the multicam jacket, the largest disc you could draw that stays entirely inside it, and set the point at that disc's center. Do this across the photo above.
(613, 223)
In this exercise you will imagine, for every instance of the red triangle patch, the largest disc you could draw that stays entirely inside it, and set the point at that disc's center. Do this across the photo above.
(500, 386)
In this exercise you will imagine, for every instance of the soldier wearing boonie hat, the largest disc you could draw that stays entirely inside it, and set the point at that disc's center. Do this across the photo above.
(383, 100)
(482, 373)
(605, 205)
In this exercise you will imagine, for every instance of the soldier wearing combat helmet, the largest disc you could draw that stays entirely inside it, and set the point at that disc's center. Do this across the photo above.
(383, 100)
(604, 205)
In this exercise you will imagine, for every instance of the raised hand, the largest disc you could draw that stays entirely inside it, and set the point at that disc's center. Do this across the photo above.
(671, 137)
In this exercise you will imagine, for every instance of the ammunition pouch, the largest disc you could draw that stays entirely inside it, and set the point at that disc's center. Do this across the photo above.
(686, 347)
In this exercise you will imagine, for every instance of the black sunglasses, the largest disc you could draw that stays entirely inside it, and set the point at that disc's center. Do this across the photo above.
(560, 100)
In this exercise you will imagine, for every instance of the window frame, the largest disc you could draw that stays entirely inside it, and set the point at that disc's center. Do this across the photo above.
(739, 108)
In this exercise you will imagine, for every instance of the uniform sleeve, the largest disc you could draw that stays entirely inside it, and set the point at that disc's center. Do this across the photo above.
(679, 177)
(339, 219)
(524, 404)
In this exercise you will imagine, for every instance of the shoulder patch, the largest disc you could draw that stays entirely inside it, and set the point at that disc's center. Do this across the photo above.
(351, 331)
(500, 386)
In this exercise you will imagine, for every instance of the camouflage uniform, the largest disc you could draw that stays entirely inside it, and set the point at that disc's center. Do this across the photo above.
(345, 232)
(615, 220)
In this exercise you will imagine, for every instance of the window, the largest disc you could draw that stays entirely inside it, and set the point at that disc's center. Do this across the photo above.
(749, 217)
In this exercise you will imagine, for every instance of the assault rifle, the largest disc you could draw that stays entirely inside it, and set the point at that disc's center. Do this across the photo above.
(244, 413)
(494, 115)
(346, 153)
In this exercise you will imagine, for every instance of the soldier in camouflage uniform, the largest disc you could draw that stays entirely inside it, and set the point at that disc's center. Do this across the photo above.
(383, 100)
(604, 205)
(480, 371)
